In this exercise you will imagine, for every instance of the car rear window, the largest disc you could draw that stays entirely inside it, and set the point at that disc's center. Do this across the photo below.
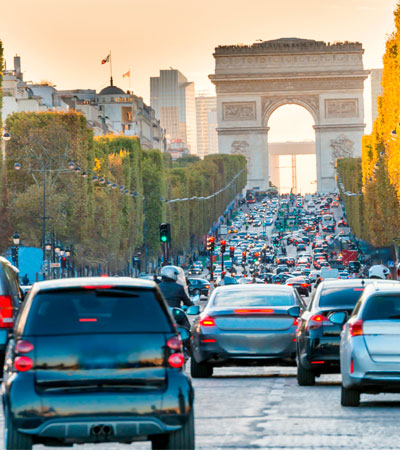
(340, 296)
(94, 311)
(254, 298)
(382, 307)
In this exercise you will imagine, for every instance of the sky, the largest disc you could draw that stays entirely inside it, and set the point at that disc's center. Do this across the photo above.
(65, 41)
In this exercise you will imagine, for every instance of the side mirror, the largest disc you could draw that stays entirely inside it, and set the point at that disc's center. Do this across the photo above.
(294, 311)
(339, 318)
(179, 315)
(193, 310)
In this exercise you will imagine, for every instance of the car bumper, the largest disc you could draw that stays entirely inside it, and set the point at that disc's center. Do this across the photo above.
(321, 355)
(120, 416)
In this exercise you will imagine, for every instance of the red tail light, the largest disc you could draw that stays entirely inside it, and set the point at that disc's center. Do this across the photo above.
(23, 346)
(352, 366)
(207, 322)
(174, 343)
(316, 321)
(23, 363)
(6, 312)
(176, 360)
(356, 327)
(296, 322)
(108, 286)
(304, 285)
(253, 311)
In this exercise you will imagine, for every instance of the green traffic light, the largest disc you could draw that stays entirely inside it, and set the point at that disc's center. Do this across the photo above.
(164, 238)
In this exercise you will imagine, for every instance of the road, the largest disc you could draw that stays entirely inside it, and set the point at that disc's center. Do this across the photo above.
(264, 408)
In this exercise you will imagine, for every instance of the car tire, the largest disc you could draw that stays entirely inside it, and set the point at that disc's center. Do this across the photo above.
(13, 439)
(305, 377)
(200, 370)
(178, 440)
(349, 397)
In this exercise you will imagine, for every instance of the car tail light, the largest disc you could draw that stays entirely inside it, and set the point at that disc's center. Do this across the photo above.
(23, 363)
(176, 360)
(174, 343)
(23, 346)
(317, 362)
(351, 366)
(6, 312)
(207, 322)
(296, 322)
(253, 311)
(356, 327)
(316, 321)
(304, 285)
(108, 286)
(208, 341)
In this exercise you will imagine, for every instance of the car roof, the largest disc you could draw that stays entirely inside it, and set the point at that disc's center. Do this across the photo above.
(383, 286)
(92, 281)
(255, 286)
(358, 281)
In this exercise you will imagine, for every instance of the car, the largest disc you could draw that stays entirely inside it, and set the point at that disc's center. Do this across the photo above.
(11, 298)
(369, 350)
(318, 339)
(227, 280)
(195, 270)
(301, 284)
(96, 360)
(198, 286)
(245, 325)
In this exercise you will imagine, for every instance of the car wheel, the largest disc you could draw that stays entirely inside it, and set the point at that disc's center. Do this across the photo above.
(197, 292)
(304, 377)
(181, 439)
(13, 439)
(200, 370)
(349, 397)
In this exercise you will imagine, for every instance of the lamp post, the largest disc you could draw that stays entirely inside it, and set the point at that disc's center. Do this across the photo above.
(14, 250)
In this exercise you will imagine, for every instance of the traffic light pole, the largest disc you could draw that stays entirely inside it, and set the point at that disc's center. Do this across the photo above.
(211, 266)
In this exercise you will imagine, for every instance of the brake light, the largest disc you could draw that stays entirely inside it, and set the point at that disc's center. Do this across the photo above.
(207, 322)
(208, 341)
(23, 346)
(6, 312)
(304, 285)
(176, 360)
(316, 321)
(253, 311)
(352, 366)
(88, 320)
(23, 363)
(174, 343)
(356, 327)
(108, 286)
(296, 322)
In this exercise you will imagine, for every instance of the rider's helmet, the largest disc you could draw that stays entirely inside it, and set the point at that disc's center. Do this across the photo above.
(379, 271)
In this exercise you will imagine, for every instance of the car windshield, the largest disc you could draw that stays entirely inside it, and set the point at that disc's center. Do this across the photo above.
(254, 298)
(91, 311)
(340, 296)
(382, 307)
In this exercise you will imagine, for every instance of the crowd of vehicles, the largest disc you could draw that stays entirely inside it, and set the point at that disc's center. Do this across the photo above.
(285, 296)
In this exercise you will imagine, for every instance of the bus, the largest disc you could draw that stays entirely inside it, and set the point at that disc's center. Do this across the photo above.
(327, 219)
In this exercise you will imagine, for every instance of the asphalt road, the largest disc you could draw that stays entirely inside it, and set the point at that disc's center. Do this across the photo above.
(264, 408)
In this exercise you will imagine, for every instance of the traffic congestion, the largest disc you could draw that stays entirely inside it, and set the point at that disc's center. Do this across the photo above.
(286, 288)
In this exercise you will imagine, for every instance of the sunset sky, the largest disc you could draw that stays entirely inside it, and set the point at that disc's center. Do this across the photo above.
(64, 42)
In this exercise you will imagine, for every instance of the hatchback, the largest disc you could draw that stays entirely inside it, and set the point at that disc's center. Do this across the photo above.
(245, 325)
(96, 360)
(369, 349)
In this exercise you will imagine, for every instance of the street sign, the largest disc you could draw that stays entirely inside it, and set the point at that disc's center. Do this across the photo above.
(390, 263)
(55, 265)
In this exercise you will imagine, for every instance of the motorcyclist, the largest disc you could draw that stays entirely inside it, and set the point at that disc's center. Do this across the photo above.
(173, 292)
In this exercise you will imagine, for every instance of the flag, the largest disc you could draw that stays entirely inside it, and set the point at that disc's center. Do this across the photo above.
(106, 60)
(127, 74)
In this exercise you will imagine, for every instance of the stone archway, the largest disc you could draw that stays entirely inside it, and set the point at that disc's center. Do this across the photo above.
(253, 81)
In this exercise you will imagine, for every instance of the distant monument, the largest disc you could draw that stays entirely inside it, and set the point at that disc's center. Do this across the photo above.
(326, 79)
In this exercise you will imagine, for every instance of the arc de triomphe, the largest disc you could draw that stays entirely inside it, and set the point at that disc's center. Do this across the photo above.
(326, 79)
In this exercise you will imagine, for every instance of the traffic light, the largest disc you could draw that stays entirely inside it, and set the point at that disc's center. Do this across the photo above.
(210, 243)
(63, 262)
(244, 254)
(256, 256)
(165, 233)
(223, 246)
(232, 252)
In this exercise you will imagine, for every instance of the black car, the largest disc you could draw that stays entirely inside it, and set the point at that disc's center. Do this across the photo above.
(96, 360)
(11, 297)
(198, 286)
(318, 339)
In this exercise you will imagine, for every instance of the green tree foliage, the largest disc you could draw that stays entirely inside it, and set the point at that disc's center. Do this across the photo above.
(105, 226)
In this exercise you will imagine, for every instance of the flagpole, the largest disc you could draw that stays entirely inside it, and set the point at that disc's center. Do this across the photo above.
(111, 78)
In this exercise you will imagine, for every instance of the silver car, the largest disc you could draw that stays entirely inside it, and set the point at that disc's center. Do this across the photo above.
(369, 348)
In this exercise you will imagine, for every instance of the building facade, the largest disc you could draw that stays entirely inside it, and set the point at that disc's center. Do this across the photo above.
(172, 97)
(376, 91)
(207, 123)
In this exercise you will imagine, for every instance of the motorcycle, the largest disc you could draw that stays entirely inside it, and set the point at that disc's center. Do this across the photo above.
(183, 327)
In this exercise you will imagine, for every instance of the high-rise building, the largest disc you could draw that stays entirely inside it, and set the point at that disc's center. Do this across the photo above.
(173, 99)
(376, 91)
(206, 115)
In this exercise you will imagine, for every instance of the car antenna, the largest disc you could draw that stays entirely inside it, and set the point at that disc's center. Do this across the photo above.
(362, 282)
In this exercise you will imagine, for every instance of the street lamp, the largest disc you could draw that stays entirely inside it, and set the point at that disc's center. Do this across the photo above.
(16, 239)
(14, 250)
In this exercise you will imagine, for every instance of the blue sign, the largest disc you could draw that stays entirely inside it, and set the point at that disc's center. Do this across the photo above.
(390, 263)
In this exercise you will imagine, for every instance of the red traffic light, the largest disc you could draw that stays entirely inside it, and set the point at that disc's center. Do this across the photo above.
(223, 242)
(211, 239)
(231, 249)
(244, 253)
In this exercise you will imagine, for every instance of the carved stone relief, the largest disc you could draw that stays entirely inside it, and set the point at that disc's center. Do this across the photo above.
(242, 148)
(336, 108)
(342, 147)
(239, 111)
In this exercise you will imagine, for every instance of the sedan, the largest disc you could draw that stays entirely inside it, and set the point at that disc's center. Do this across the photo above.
(301, 284)
(246, 325)
(198, 286)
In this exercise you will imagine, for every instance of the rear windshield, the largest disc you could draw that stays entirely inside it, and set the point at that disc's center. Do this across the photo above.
(254, 298)
(95, 311)
(340, 296)
(382, 307)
